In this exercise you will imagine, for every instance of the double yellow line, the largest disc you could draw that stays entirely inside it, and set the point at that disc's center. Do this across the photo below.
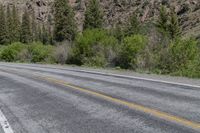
(153, 112)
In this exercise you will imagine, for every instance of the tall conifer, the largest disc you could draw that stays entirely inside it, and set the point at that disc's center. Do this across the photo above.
(174, 27)
(93, 15)
(33, 27)
(65, 27)
(3, 29)
(163, 20)
(15, 25)
(133, 27)
(45, 38)
(26, 28)
(9, 24)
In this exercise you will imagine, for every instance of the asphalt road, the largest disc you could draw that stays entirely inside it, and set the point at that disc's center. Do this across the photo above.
(50, 99)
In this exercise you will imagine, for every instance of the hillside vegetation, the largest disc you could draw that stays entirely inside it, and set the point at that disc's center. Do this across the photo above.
(153, 36)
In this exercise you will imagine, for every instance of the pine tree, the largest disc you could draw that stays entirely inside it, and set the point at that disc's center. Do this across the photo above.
(133, 26)
(15, 25)
(93, 15)
(50, 31)
(25, 28)
(65, 27)
(163, 19)
(3, 29)
(174, 27)
(33, 27)
(39, 33)
(9, 24)
(45, 38)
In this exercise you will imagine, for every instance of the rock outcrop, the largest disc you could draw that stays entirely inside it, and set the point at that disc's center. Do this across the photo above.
(118, 11)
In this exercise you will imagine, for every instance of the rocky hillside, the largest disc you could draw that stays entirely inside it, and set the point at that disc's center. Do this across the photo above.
(117, 11)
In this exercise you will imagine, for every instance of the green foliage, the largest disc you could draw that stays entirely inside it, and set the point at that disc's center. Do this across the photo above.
(15, 25)
(168, 23)
(93, 15)
(133, 27)
(180, 55)
(97, 61)
(35, 52)
(9, 24)
(39, 33)
(65, 26)
(163, 19)
(92, 43)
(124, 46)
(45, 36)
(174, 27)
(131, 47)
(192, 70)
(1, 48)
(25, 35)
(39, 52)
(33, 25)
(3, 27)
(11, 52)
(118, 32)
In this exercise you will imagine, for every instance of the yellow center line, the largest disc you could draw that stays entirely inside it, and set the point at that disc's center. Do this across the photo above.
(156, 113)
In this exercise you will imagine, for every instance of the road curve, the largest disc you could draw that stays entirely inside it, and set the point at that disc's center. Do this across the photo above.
(45, 99)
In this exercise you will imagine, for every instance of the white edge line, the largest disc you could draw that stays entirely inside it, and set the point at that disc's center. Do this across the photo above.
(122, 76)
(118, 75)
(4, 124)
(138, 78)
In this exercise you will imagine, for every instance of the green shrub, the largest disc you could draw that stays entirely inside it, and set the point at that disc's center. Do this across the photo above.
(92, 43)
(97, 61)
(1, 48)
(130, 49)
(192, 70)
(10, 53)
(182, 52)
(180, 55)
(40, 52)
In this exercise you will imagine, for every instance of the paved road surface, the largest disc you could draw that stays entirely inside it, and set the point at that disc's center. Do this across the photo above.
(49, 99)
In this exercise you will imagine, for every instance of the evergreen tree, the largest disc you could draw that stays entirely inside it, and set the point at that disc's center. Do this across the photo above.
(65, 27)
(133, 26)
(163, 19)
(118, 32)
(9, 25)
(50, 31)
(174, 27)
(15, 25)
(3, 30)
(93, 15)
(45, 37)
(26, 28)
(33, 27)
(39, 33)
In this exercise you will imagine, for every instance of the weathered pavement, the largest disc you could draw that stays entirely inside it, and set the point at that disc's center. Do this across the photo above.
(44, 99)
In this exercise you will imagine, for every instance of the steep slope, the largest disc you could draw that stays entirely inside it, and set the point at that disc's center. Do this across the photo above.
(118, 11)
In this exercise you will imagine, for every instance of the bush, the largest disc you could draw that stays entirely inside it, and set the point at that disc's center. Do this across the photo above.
(10, 53)
(192, 70)
(131, 47)
(92, 43)
(62, 53)
(180, 58)
(39, 52)
(1, 48)
(97, 61)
